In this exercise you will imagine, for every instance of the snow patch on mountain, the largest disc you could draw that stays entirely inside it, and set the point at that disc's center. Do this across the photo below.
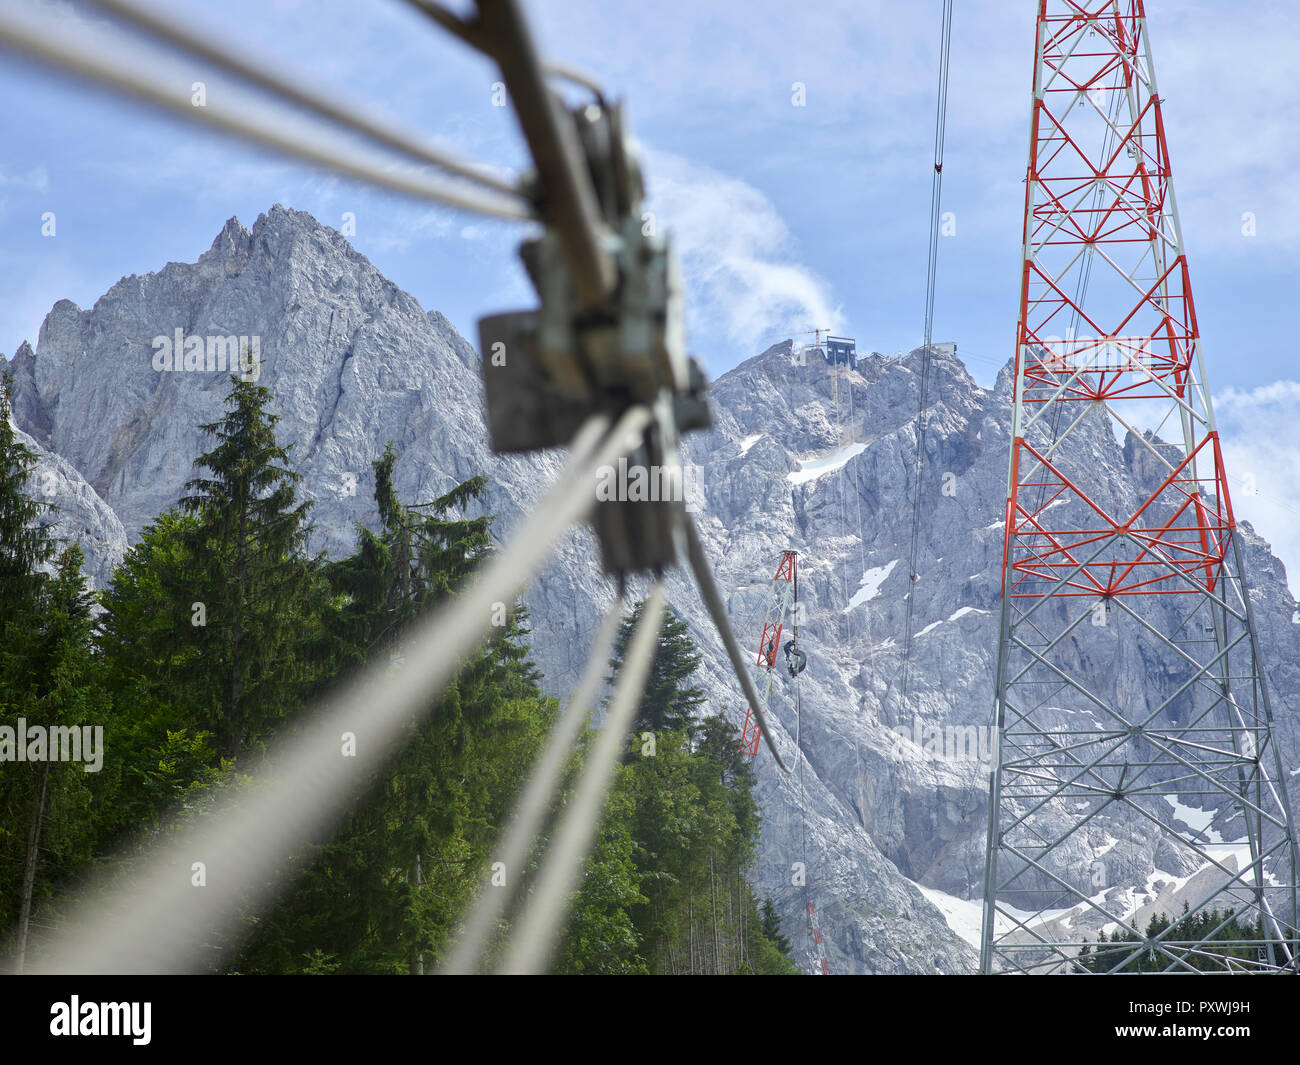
(869, 587)
(961, 612)
(353, 362)
(964, 916)
(811, 469)
(1195, 819)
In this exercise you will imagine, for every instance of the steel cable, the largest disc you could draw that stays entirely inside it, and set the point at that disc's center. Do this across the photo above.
(371, 126)
(536, 798)
(157, 919)
(546, 910)
(81, 58)
(699, 563)
(932, 264)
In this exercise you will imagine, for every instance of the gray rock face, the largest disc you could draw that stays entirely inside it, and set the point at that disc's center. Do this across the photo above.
(352, 360)
(79, 515)
(927, 814)
(799, 459)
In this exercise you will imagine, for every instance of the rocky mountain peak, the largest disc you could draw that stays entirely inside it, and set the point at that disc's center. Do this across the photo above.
(231, 246)
(801, 456)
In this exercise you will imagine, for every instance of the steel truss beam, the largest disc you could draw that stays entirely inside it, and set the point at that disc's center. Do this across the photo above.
(1094, 784)
(769, 643)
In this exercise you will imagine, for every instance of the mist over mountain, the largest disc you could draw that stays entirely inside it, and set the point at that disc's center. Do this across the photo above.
(887, 803)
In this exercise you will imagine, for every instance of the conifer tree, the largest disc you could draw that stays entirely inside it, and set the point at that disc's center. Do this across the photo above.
(248, 549)
(670, 702)
(47, 680)
(25, 545)
(152, 639)
(771, 927)
(383, 895)
(687, 803)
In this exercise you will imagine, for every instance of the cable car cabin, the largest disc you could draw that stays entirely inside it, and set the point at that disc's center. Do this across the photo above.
(842, 350)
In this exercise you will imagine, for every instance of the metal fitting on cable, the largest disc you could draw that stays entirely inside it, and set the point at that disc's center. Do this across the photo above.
(596, 347)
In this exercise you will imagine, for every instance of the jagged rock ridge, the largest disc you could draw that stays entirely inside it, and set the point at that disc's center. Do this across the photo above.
(354, 362)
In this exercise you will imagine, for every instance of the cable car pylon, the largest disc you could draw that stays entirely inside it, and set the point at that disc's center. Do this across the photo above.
(779, 602)
(1099, 574)
(783, 602)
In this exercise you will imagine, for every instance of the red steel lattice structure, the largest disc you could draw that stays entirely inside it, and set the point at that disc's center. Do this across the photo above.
(1108, 350)
(785, 585)
(1106, 315)
(769, 644)
(821, 965)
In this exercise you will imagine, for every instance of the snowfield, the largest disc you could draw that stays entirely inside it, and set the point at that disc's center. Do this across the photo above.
(811, 469)
(960, 612)
(869, 587)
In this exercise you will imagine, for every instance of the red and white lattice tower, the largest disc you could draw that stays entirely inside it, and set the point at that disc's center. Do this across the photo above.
(1094, 783)
(769, 644)
(821, 965)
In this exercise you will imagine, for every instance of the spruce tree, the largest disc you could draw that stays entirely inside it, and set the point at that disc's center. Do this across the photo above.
(153, 642)
(257, 588)
(771, 927)
(384, 893)
(25, 545)
(687, 804)
(48, 679)
(670, 702)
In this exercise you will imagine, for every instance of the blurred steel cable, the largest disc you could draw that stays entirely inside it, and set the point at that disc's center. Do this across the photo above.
(47, 43)
(156, 921)
(547, 907)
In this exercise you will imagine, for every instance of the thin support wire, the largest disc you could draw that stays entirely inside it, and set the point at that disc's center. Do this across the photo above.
(931, 271)
(844, 566)
(153, 920)
(544, 915)
(131, 76)
(535, 800)
(371, 126)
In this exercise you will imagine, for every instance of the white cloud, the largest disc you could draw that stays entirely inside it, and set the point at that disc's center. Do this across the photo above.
(34, 180)
(1261, 453)
(745, 277)
(1261, 450)
(1232, 140)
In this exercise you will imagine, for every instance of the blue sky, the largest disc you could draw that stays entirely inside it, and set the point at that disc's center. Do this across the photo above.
(788, 217)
